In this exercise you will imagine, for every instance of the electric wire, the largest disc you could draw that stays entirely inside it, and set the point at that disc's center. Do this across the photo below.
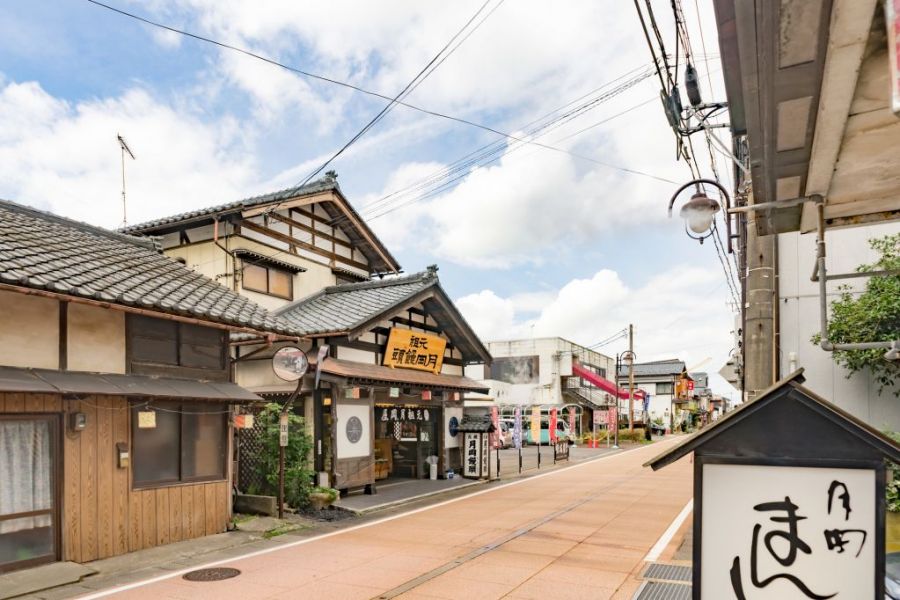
(357, 88)
(423, 74)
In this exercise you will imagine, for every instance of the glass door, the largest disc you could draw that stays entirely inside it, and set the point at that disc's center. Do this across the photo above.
(28, 518)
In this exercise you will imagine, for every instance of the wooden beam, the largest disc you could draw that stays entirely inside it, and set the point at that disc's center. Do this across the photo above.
(291, 203)
(311, 230)
(301, 244)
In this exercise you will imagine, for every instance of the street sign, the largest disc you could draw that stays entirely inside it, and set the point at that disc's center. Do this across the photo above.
(283, 430)
(600, 417)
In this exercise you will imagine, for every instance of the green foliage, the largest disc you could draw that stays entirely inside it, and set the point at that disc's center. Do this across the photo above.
(330, 492)
(892, 490)
(298, 473)
(873, 316)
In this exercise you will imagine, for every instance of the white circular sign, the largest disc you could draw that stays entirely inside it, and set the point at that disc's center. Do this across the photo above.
(290, 363)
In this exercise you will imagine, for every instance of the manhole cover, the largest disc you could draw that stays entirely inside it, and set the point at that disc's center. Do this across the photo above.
(211, 574)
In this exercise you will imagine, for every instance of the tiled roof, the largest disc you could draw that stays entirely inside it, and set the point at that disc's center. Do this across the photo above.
(320, 185)
(44, 251)
(342, 308)
(651, 369)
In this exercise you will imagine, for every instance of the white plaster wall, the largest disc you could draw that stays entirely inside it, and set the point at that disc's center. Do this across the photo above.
(452, 411)
(96, 339)
(257, 373)
(30, 327)
(360, 356)
(799, 320)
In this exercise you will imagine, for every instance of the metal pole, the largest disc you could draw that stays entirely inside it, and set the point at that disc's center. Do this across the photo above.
(280, 482)
(520, 458)
(498, 462)
(630, 379)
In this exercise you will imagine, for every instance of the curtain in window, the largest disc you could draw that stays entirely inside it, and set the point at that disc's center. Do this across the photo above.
(25, 477)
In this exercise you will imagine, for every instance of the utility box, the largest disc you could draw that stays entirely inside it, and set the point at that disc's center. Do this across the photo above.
(789, 500)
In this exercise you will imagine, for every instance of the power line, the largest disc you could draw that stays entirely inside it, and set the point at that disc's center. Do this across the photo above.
(356, 87)
(415, 82)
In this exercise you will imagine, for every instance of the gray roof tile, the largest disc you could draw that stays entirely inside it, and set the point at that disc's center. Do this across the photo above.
(44, 251)
(341, 308)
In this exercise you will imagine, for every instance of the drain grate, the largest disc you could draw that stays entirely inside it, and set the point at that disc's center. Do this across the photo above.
(668, 572)
(656, 590)
(211, 574)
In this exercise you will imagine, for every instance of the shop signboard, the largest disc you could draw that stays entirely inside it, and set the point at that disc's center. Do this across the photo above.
(485, 456)
(517, 428)
(790, 512)
(612, 418)
(283, 430)
(473, 455)
(408, 349)
(536, 424)
(600, 417)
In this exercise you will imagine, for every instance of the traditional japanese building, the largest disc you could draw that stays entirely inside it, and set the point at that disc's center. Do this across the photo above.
(307, 254)
(115, 392)
(391, 380)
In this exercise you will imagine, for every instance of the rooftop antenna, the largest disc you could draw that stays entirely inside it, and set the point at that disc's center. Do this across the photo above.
(124, 147)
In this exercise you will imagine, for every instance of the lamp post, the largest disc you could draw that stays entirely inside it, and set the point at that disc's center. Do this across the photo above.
(630, 356)
(699, 213)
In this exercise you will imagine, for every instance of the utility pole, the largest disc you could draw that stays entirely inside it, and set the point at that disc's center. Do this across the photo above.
(630, 378)
(759, 328)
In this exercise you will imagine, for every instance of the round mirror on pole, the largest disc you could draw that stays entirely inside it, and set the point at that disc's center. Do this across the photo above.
(290, 363)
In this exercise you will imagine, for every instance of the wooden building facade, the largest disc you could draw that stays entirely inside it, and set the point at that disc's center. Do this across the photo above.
(115, 392)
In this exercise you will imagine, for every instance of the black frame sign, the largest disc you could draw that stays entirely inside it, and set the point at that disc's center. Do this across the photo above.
(788, 500)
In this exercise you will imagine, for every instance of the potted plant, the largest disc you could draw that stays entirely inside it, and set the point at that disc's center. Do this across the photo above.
(322, 497)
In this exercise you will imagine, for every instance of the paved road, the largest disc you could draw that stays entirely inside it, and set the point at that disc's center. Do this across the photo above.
(580, 532)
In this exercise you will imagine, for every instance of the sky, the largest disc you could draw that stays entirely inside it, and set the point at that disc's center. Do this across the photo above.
(569, 241)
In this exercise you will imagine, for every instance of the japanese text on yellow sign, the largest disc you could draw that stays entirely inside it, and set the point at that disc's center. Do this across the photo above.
(413, 350)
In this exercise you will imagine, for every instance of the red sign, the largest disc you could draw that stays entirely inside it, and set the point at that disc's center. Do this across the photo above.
(892, 18)
(612, 420)
(690, 385)
(495, 419)
(552, 425)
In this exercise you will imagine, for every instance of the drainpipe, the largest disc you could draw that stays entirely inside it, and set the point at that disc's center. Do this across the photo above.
(821, 275)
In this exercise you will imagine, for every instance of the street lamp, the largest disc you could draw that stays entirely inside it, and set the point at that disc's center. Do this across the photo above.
(627, 354)
(699, 213)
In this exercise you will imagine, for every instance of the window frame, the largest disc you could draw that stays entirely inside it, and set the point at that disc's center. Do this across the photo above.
(181, 480)
(268, 291)
(670, 385)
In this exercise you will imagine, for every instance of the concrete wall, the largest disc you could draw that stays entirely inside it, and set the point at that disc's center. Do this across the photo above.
(30, 327)
(798, 307)
(96, 339)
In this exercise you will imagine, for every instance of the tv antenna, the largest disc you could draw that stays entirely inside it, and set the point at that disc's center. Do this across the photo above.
(124, 147)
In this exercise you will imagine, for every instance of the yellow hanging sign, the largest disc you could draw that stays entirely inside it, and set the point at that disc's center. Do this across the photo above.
(408, 349)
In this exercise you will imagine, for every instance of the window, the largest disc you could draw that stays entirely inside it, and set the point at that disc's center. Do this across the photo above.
(188, 444)
(665, 388)
(268, 280)
(161, 347)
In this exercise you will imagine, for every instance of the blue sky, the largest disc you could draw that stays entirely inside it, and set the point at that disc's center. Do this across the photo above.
(538, 242)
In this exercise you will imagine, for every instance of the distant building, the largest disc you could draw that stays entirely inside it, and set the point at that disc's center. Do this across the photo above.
(659, 380)
(539, 372)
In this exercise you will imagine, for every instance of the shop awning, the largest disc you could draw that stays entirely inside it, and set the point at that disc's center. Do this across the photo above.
(364, 373)
(603, 383)
(45, 381)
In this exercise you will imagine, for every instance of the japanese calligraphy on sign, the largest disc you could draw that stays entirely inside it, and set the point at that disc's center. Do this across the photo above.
(788, 532)
(413, 350)
(472, 454)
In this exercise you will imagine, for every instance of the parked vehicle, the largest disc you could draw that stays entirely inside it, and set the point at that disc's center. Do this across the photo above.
(506, 434)
(562, 432)
(892, 576)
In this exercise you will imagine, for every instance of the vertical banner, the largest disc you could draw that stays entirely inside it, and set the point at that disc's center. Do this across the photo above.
(552, 429)
(536, 424)
(517, 428)
(612, 419)
(572, 431)
(892, 19)
(495, 419)
(472, 455)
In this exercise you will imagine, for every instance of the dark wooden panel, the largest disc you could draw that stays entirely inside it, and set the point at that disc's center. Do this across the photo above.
(202, 357)
(139, 368)
(145, 349)
(354, 472)
(204, 336)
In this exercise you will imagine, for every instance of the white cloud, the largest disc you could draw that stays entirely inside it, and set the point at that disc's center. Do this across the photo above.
(675, 315)
(64, 156)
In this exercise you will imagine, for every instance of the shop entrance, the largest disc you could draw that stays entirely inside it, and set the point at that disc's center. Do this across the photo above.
(29, 526)
(406, 439)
